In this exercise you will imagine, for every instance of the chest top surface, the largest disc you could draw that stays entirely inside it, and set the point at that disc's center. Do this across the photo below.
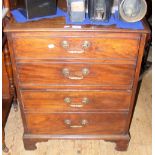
(59, 24)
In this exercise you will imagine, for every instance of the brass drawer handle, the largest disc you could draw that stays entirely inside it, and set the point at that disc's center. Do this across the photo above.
(85, 45)
(83, 123)
(66, 73)
(76, 52)
(84, 101)
(65, 44)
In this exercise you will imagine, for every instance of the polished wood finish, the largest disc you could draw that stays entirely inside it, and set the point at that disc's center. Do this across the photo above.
(121, 141)
(114, 75)
(100, 48)
(5, 80)
(140, 131)
(8, 68)
(112, 61)
(8, 90)
(52, 101)
(97, 123)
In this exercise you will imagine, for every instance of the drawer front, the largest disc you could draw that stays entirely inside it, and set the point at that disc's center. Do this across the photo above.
(76, 74)
(55, 101)
(50, 48)
(77, 123)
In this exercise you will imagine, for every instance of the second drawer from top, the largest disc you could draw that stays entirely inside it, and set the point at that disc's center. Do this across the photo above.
(76, 74)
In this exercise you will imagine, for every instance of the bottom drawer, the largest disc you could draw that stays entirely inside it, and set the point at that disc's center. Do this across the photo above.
(76, 123)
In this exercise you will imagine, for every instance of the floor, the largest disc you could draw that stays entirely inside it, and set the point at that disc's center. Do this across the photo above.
(141, 132)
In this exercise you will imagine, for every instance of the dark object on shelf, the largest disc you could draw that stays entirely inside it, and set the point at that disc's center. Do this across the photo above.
(99, 10)
(36, 8)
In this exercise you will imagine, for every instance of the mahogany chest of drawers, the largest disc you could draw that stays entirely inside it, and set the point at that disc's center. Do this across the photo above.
(75, 83)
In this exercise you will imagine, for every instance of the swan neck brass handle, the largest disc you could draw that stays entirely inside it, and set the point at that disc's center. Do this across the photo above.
(86, 44)
(66, 73)
(65, 44)
(84, 101)
(83, 123)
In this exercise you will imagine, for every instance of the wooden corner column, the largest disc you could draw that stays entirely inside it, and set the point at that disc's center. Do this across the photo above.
(8, 91)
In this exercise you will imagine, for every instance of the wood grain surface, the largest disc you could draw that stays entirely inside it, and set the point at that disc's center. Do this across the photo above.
(39, 47)
(141, 133)
(99, 74)
(54, 123)
(5, 80)
(33, 66)
(54, 101)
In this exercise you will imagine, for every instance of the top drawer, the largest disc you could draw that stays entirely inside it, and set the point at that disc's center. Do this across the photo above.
(45, 47)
